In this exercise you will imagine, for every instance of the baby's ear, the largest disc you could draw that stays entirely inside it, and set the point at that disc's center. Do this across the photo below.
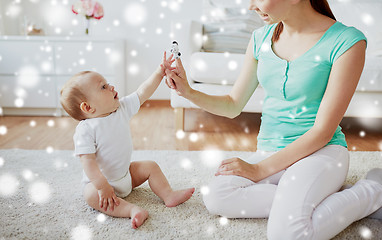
(86, 108)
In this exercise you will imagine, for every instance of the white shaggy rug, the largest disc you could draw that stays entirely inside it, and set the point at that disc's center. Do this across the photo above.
(40, 198)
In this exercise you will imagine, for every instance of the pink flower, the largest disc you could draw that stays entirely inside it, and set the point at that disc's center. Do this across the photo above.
(88, 9)
(98, 11)
(76, 8)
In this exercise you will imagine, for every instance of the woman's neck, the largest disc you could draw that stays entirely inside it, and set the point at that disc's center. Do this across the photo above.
(303, 19)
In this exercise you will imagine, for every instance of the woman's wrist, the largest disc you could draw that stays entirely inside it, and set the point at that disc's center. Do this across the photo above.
(258, 172)
(190, 94)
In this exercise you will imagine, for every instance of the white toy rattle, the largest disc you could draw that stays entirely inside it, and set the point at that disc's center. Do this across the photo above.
(175, 49)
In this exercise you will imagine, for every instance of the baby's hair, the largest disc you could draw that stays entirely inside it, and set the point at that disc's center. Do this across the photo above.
(72, 96)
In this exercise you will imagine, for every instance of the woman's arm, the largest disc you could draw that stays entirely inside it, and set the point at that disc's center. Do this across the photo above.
(229, 105)
(342, 84)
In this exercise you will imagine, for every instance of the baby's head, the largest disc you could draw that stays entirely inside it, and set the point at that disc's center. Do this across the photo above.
(88, 95)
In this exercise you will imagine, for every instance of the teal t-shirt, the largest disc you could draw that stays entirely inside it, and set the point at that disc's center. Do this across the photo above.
(294, 89)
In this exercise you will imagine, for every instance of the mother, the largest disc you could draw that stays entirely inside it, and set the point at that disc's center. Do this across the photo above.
(309, 66)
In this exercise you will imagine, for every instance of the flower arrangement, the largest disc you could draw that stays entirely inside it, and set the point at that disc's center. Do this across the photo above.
(89, 9)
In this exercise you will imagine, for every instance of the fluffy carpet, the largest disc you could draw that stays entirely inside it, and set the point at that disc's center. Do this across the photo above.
(40, 198)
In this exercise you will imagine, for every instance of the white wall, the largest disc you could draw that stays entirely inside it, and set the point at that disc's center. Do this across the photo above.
(144, 24)
(1, 20)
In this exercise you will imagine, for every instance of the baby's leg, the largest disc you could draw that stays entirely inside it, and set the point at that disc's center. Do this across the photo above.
(149, 170)
(124, 209)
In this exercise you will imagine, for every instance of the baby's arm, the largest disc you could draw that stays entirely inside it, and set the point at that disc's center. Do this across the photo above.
(107, 197)
(148, 87)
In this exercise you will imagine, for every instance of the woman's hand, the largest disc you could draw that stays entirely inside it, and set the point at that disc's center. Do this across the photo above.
(107, 198)
(177, 79)
(238, 167)
(166, 64)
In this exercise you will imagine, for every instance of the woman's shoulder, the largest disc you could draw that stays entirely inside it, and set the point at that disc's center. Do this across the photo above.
(264, 31)
(262, 36)
(343, 31)
(341, 38)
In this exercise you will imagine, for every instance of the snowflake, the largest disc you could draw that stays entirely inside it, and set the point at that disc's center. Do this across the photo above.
(265, 47)
(134, 53)
(204, 190)
(28, 77)
(180, 134)
(81, 232)
(49, 149)
(135, 14)
(186, 163)
(27, 174)
(193, 137)
(211, 230)
(367, 19)
(8, 185)
(200, 65)
(13, 11)
(3, 130)
(50, 123)
(133, 69)
(101, 217)
(223, 221)
(211, 158)
(365, 233)
(39, 192)
(232, 65)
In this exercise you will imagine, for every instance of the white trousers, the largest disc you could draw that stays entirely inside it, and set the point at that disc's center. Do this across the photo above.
(301, 202)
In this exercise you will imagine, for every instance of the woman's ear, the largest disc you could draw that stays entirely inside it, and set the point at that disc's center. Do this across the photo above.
(86, 108)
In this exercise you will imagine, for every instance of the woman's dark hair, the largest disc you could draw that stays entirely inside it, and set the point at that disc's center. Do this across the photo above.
(320, 6)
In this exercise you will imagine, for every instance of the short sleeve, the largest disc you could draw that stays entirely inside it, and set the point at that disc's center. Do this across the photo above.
(254, 45)
(257, 36)
(84, 139)
(131, 104)
(261, 36)
(345, 41)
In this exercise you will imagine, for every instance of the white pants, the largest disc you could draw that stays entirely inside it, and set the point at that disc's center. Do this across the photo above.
(302, 201)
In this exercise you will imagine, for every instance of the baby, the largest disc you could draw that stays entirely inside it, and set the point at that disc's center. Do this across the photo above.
(103, 143)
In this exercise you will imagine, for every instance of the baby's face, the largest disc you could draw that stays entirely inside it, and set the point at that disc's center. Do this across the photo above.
(101, 95)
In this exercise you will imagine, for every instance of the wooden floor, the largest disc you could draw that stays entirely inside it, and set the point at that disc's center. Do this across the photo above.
(153, 129)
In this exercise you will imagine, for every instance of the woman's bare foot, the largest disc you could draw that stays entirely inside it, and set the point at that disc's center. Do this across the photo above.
(177, 197)
(138, 216)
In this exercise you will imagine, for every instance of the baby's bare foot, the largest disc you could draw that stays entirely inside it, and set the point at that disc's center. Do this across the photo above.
(138, 216)
(178, 197)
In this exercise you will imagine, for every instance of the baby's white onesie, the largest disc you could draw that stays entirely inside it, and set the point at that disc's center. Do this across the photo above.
(110, 139)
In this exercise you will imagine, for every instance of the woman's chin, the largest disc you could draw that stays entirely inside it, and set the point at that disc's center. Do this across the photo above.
(269, 21)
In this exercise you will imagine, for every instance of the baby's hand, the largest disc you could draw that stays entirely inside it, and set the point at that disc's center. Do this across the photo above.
(107, 198)
(166, 64)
